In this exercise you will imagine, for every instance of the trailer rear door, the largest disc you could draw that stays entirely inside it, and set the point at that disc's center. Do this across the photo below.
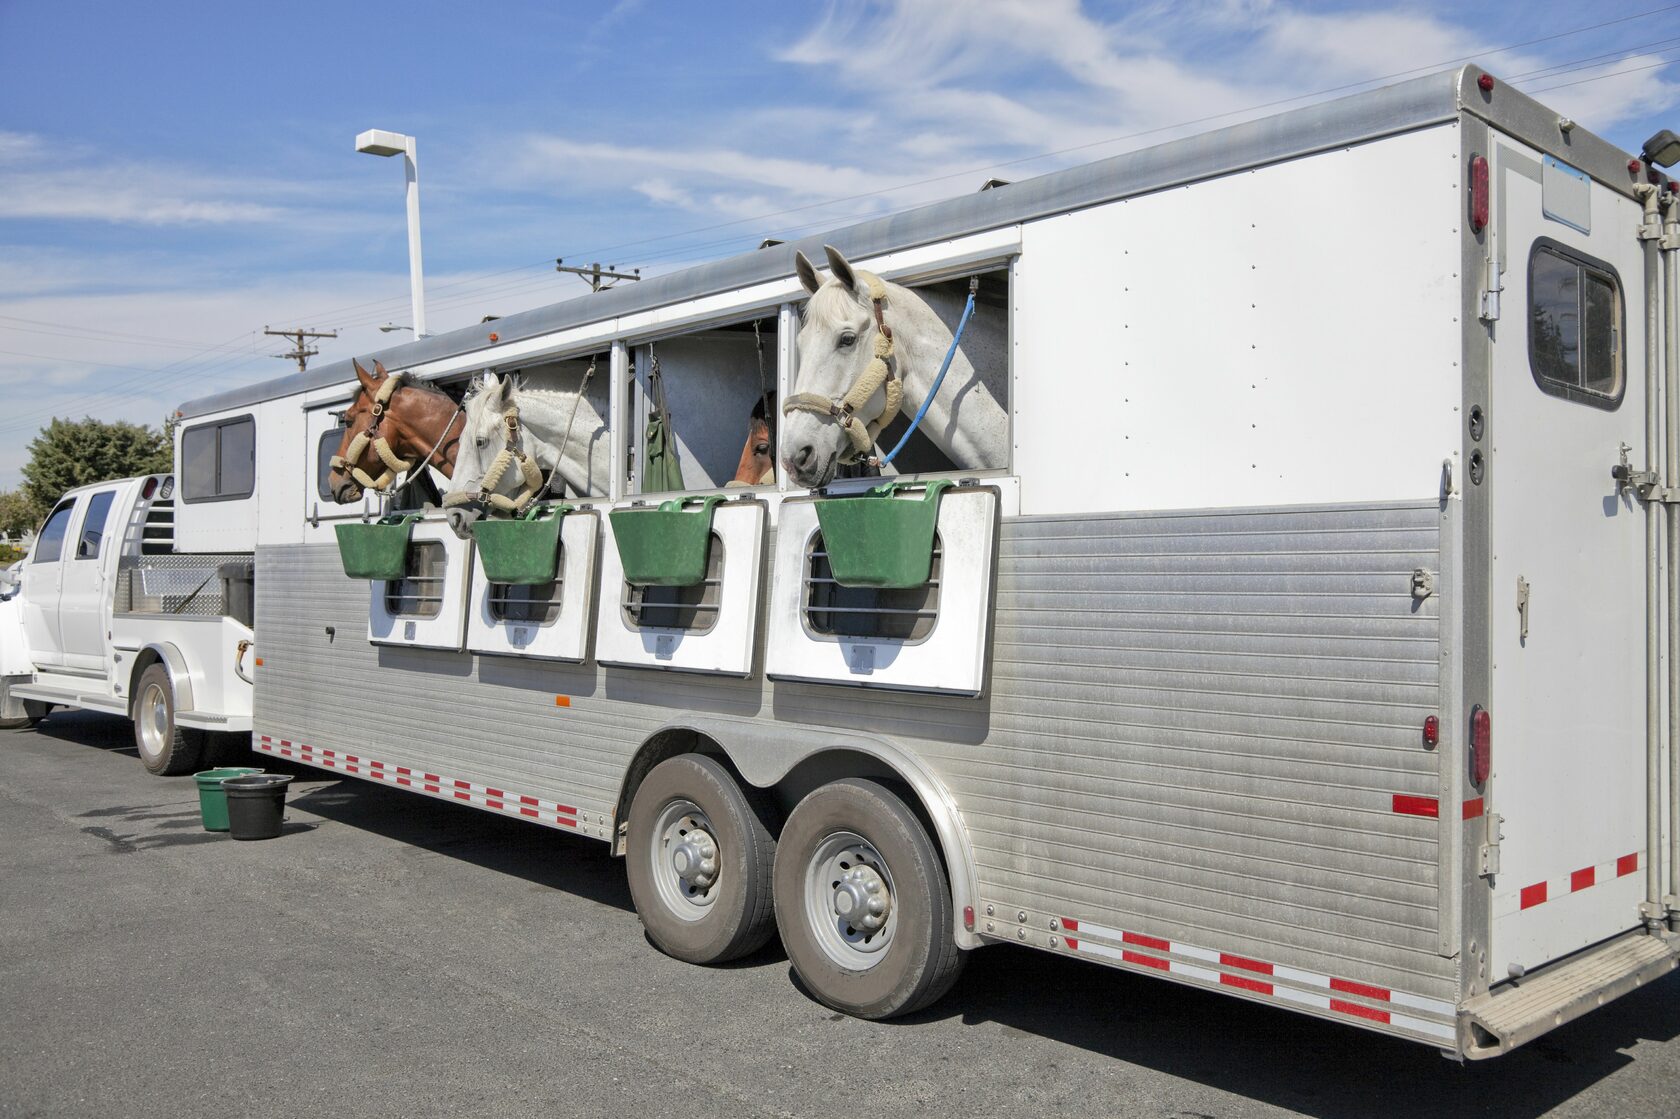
(1567, 594)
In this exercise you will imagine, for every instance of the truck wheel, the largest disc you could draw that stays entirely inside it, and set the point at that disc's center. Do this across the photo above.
(863, 903)
(165, 749)
(699, 862)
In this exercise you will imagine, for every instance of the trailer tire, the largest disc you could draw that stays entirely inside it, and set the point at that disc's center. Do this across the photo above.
(699, 859)
(850, 844)
(166, 748)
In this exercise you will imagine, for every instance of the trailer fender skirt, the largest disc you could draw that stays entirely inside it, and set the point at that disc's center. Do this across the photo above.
(1499, 1020)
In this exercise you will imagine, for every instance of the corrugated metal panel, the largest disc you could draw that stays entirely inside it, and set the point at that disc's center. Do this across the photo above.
(1195, 727)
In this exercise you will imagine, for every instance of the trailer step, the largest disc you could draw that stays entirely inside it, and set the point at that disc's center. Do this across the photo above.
(1512, 1014)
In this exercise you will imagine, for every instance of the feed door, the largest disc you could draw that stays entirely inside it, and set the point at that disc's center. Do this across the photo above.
(1567, 597)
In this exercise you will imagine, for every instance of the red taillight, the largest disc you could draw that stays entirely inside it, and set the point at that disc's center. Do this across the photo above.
(1432, 731)
(147, 490)
(1478, 193)
(1481, 744)
(968, 917)
(1485, 83)
(1633, 166)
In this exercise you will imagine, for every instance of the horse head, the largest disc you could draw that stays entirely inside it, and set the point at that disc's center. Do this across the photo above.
(758, 457)
(485, 436)
(839, 342)
(390, 427)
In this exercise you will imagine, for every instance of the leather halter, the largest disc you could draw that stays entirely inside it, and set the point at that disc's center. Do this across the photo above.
(878, 374)
(511, 454)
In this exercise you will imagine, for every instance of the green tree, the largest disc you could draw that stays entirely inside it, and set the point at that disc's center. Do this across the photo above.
(67, 454)
(17, 513)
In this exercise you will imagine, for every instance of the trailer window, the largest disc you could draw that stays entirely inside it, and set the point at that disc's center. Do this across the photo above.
(693, 608)
(49, 543)
(1575, 326)
(219, 460)
(324, 451)
(527, 605)
(93, 525)
(892, 615)
(419, 593)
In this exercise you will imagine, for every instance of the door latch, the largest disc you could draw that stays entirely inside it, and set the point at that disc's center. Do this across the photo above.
(1423, 583)
(1642, 482)
(1522, 608)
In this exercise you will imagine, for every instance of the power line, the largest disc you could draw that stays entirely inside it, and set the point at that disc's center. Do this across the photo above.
(300, 352)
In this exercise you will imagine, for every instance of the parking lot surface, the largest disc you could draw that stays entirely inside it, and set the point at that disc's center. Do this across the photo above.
(395, 955)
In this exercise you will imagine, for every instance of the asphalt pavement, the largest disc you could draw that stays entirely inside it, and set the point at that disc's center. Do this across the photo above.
(394, 955)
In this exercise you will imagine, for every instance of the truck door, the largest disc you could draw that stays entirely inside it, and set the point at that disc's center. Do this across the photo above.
(82, 603)
(1567, 596)
(43, 579)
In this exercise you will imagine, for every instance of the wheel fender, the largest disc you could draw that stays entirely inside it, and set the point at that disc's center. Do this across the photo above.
(760, 752)
(180, 677)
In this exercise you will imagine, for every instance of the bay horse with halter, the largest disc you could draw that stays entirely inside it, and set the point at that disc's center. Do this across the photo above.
(391, 428)
(758, 457)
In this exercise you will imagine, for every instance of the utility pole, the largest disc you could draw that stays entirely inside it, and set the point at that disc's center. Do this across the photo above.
(594, 274)
(300, 352)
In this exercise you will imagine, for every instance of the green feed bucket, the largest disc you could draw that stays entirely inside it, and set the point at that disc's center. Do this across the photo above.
(878, 540)
(378, 550)
(212, 798)
(667, 546)
(523, 551)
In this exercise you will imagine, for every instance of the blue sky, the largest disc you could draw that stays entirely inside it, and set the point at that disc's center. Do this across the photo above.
(175, 176)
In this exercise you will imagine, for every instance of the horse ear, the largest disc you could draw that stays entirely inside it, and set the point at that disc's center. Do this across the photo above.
(841, 267)
(362, 375)
(379, 368)
(495, 391)
(807, 272)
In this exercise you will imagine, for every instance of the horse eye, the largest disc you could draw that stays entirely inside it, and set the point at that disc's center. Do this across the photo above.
(480, 442)
(762, 449)
(847, 339)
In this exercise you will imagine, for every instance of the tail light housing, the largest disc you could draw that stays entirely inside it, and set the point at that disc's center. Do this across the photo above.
(1481, 744)
(1478, 193)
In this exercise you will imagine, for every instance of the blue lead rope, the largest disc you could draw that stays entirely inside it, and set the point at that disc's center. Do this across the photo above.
(973, 286)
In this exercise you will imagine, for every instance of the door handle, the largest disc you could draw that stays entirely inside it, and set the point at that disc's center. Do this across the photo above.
(1522, 608)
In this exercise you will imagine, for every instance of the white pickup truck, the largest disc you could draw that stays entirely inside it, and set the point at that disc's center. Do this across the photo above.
(110, 617)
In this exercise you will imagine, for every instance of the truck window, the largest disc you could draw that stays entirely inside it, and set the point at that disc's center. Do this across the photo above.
(1575, 326)
(49, 545)
(93, 525)
(324, 451)
(219, 460)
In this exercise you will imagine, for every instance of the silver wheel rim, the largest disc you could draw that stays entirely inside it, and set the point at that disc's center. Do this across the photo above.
(152, 719)
(849, 901)
(685, 875)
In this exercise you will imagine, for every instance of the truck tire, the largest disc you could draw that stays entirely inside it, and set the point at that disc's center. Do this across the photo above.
(863, 903)
(699, 862)
(165, 749)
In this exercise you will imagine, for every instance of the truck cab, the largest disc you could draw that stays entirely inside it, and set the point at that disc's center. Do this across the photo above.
(108, 616)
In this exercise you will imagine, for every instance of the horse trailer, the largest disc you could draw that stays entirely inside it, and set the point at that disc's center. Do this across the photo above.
(1292, 574)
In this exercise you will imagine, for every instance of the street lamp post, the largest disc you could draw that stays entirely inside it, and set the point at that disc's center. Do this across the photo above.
(376, 141)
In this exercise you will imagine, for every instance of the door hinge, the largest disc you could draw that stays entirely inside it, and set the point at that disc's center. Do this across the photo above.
(1522, 608)
(1490, 292)
(1489, 861)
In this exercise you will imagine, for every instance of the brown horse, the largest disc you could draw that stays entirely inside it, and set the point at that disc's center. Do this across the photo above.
(758, 457)
(392, 424)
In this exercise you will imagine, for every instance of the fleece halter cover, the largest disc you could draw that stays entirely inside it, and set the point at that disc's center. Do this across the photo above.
(394, 466)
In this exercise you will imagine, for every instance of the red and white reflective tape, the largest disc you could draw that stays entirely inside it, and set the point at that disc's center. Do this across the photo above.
(542, 811)
(1539, 893)
(1431, 1018)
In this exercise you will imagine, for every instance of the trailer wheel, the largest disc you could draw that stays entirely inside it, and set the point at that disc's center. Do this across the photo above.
(863, 903)
(166, 749)
(699, 862)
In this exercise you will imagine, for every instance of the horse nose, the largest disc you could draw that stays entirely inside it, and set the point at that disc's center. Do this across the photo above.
(803, 457)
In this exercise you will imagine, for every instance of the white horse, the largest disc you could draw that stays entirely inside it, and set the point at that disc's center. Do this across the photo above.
(547, 406)
(837, 342)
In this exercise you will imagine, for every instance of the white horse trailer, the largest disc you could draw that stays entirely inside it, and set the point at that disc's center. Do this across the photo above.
(1308, 646)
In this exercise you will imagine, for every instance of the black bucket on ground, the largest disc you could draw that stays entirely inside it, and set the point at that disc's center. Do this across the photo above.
(256, 803)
